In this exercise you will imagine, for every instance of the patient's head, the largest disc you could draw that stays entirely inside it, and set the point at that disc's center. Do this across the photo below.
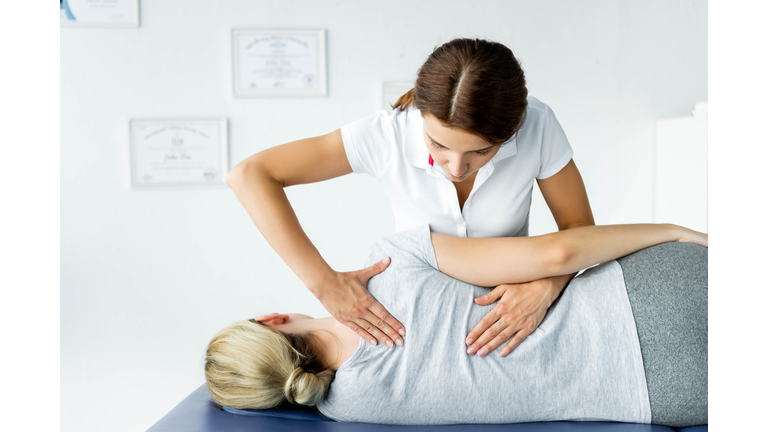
(249, 365)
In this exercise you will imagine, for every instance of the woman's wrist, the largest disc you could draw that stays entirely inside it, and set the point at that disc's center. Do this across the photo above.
(319, 278)
(557, 284)
(675, 232)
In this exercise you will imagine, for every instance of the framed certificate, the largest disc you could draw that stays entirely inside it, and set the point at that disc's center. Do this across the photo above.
(278, 62)
(99, 13)
(391, 92)
(178, 152)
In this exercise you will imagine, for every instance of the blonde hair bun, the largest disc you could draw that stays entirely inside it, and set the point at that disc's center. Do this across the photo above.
(307, 388)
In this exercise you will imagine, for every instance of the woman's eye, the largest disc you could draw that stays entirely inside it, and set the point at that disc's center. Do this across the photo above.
(436, 145)
(483, 153)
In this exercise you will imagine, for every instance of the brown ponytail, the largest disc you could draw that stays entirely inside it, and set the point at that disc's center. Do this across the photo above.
(474, 85)
(404, 101)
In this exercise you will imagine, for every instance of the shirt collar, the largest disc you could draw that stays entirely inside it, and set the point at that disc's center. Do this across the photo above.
(415, 149)
(507, 149)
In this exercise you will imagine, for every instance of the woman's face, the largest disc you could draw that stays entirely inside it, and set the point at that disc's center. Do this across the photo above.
(458, 153)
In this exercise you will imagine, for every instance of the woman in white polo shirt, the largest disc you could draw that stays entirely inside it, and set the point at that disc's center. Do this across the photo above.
(459, 152)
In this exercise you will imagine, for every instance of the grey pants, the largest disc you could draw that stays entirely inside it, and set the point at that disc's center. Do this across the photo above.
(667, 289)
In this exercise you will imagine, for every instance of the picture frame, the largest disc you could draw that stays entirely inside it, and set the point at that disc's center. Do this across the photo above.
(177, 152)
(278, 62)
(99, 13)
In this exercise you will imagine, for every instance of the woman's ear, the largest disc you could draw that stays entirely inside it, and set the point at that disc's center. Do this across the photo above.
(272, 319)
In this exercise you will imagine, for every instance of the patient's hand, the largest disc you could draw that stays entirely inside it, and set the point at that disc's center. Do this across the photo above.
(520, 310)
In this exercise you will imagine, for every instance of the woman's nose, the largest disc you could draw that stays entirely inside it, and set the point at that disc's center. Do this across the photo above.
(456, 167)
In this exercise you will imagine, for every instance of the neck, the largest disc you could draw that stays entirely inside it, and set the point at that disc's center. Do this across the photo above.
(336, 343)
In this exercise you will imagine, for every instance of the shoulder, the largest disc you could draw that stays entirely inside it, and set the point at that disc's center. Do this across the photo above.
(537, 111)
(380, 122)
(536, 106)
(411, 247)
(539, 119)
(387, 125)
(395, 118)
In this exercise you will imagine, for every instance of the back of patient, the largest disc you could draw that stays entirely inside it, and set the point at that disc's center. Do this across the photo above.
(582, 363)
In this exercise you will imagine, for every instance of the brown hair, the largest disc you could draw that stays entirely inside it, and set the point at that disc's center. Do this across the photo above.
(251, 366)
(473, 85)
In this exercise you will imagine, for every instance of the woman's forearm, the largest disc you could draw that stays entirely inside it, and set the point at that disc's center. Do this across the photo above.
(267, 204)
(495, 261)
(586, 246)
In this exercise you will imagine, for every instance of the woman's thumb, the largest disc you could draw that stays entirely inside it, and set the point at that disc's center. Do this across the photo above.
(376, 268)
(485, 300)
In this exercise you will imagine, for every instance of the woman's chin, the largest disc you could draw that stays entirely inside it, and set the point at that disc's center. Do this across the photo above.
(457, 179)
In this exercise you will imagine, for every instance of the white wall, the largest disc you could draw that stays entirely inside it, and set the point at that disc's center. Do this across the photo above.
(148, 277)
(681, 169)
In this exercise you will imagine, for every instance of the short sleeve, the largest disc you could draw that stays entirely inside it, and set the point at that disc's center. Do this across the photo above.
(556, 151)
(370, 143)
(412, 248)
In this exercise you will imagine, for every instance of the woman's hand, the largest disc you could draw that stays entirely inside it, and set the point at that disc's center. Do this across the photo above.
(690, 236)
(346, 297)
(520, 310)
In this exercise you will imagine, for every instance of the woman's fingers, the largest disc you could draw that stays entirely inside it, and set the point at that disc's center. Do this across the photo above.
(491, 317)
(375, 333)
(376, 326)
(481, 327)
(360, 332)
(502, 337)
(484, 344)
(387, 323)
(514, 342)
(372, 328)
(380, 321)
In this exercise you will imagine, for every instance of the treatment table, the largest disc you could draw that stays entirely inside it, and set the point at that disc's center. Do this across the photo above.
(197, 413)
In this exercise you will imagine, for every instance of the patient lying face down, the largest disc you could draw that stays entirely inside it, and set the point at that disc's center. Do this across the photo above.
(583, 362)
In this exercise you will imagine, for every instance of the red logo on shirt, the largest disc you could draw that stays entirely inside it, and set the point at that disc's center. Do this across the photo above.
(431, 162)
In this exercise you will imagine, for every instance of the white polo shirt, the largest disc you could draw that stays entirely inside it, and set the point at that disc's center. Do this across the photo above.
(390, 147)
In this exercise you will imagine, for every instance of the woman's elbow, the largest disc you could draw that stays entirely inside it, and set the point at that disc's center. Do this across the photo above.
(241, 172)
(559, 255)
(234, 175)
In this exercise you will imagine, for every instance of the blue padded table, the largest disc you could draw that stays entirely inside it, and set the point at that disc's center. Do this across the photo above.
(197, 413)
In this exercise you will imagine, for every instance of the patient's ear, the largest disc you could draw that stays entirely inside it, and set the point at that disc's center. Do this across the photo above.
(272, 319)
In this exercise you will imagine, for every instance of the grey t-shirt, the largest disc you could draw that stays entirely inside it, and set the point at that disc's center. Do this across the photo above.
(582, 363)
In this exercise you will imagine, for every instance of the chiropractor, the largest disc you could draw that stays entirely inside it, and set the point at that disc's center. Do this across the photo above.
(460, 152)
